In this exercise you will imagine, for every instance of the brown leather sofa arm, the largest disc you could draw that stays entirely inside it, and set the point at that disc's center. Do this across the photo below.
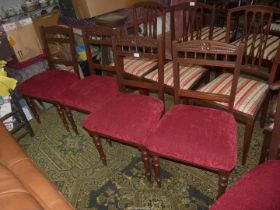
(36, 186)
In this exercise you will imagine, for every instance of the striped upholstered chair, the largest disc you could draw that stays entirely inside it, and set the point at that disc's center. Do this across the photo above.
(191, 20)
(257, 23)
(252, 95)
(147, 17)
(188, 21)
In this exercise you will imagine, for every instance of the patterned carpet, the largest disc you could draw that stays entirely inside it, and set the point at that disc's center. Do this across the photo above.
(72, 164)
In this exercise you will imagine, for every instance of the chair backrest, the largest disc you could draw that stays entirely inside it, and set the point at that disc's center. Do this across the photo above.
(191, 17)
(256, 19)
(207, 54)
(99, 37)
(139, 47)
(59, 45)
(259, 44)
(150, 15)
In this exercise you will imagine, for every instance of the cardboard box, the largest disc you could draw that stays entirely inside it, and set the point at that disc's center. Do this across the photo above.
(92, 8)
(45, 20)
(23, 39)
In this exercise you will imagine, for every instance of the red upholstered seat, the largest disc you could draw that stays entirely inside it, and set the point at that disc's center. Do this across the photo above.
(197, 135)
(257, 190)
(90, 93)
(48, 84)
(128, 117)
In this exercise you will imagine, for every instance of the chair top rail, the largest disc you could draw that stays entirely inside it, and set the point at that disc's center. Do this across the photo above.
(263, 8)
(207, 53)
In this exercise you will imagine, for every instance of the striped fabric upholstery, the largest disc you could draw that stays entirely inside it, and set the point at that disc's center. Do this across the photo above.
(271, 46)
(249, 92)
(189, 75)
(139, 66)
(275, 26)
(219, 34)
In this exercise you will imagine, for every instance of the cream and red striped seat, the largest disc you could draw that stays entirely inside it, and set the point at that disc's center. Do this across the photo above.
(189, 75)
(270, 48)
(219, 34)
(139, 66)
(275, 26)
(249, 92)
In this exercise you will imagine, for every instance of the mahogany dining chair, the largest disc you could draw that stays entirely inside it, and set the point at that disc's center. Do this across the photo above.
(129, 117)
(199, 136)
(46, 85)
(88, 94)
(253, 86)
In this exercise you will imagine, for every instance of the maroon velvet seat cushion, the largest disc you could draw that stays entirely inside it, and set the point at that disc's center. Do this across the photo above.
(48, 84)
(89, 93)
(128, 117)
(197, 135)
(257, 190)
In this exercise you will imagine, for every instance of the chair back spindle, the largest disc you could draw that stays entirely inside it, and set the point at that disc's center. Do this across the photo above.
(148, 15)
(192, 17)
(99, 36)
(260, 45)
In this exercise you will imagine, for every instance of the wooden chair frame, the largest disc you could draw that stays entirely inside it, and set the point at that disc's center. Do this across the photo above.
(147, 13)
(100, 36)
(53, 35)
(206, 53)
(138, 47)
(194, 19)
(253, 64)
(270, 148)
